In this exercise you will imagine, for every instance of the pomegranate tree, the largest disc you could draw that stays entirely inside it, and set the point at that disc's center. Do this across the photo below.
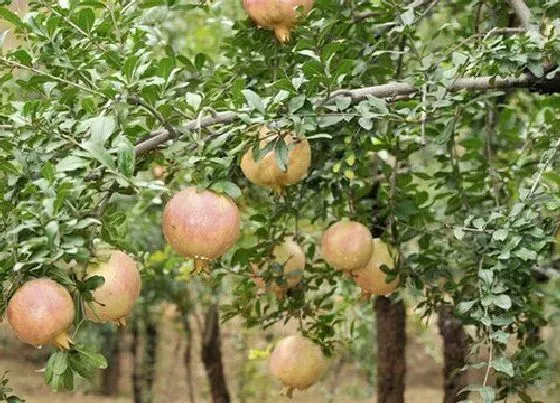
(347, 245)
(370, 278)
(114, 299)
(40, 312)
(297, 362)
(201, 225)
(291, 257)
(266, 172)
(278, 15)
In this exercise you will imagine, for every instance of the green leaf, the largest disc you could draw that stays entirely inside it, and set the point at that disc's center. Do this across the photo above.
(94, 282)
(504, 365)
(98, 152)
(86, 19)
(281, 154)
(12, 18)
(503, 301)
(407, 17)
(500, 337)
(464, 307)
(225, 187)
(71, 163)
(101, 128)
(48, 172)
(126, 157)
(526, 254)
(254, 101)
(458, 233)
(500, 235)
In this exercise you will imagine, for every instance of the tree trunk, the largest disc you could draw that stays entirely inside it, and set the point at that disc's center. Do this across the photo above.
(455, 350)
(212, 357)
(111, 375)
(136, 361)
(150, 358)
(187, 356)
(391, 346)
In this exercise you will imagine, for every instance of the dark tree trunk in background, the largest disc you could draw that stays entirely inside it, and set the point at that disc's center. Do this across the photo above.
(187, 356)
(150, 359)
(455, 349)
(136, 363)
(391, 347)
(212, 357)
(112, 349)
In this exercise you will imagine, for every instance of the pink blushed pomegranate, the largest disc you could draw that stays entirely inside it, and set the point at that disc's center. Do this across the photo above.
(297, 362)
(347, 245)
(371, 279)
(201, 225)
(291, 257)
(113, 300)
(266, 172)
(40, 312)
(278, 15)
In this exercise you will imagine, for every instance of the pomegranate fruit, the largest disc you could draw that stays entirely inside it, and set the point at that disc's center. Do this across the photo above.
(371, 279)
(113, 300)
(278, 15)
(202, 225)
(347, 245)
(297, 362)
(40, 312)
(291, 257)
(266, 172)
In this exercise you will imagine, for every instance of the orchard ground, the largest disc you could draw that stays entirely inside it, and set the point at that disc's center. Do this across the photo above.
(424, 378)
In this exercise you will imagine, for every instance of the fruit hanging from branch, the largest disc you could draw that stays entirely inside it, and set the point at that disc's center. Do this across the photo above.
(40, 312)
(115, 298)
(266, 172)
(347, 245)
(298, 363)
(289, 256)
(370, 278)
(278, 15)
(201, 225)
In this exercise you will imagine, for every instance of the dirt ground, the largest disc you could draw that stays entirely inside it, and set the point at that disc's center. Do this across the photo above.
(424, 379)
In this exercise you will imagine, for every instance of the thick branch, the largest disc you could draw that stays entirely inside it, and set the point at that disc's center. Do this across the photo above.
(522, 11)
(392, 90)
(153, 142)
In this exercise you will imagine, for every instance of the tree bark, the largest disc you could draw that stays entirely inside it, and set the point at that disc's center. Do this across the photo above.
(111, 376)
(187, 355)
(455, 349)
(391, 347)
(150, 359)
(212, 357)
(136, 363)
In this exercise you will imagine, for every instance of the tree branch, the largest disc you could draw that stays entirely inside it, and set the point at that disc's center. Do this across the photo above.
(522, 11)
(391, 90)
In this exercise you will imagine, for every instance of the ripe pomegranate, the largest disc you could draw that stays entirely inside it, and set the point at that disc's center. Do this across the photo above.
(201, 225)
(347, 245)
(113, 300)
(266, 172)
(40, 312)
(371, 279)
(297, 362)
(289, 255)
(277, 15)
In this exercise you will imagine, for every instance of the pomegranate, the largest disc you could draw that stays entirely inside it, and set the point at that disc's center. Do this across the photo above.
(371, 279)
(113, 300)
(291, 257)
(202, 225)
(297, 362)
(266, 172)
(347, 245)
(278, 15)
(40, 312)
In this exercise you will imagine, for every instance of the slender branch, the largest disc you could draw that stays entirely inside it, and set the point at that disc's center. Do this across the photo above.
(12, 63)
(219, 118)
(543, 168)
(522, 11)
(134, 100)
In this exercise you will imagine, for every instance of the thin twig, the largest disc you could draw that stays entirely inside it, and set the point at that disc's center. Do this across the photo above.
(12, 63)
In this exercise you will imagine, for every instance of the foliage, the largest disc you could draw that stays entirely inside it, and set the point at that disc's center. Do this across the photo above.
(463, 183)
